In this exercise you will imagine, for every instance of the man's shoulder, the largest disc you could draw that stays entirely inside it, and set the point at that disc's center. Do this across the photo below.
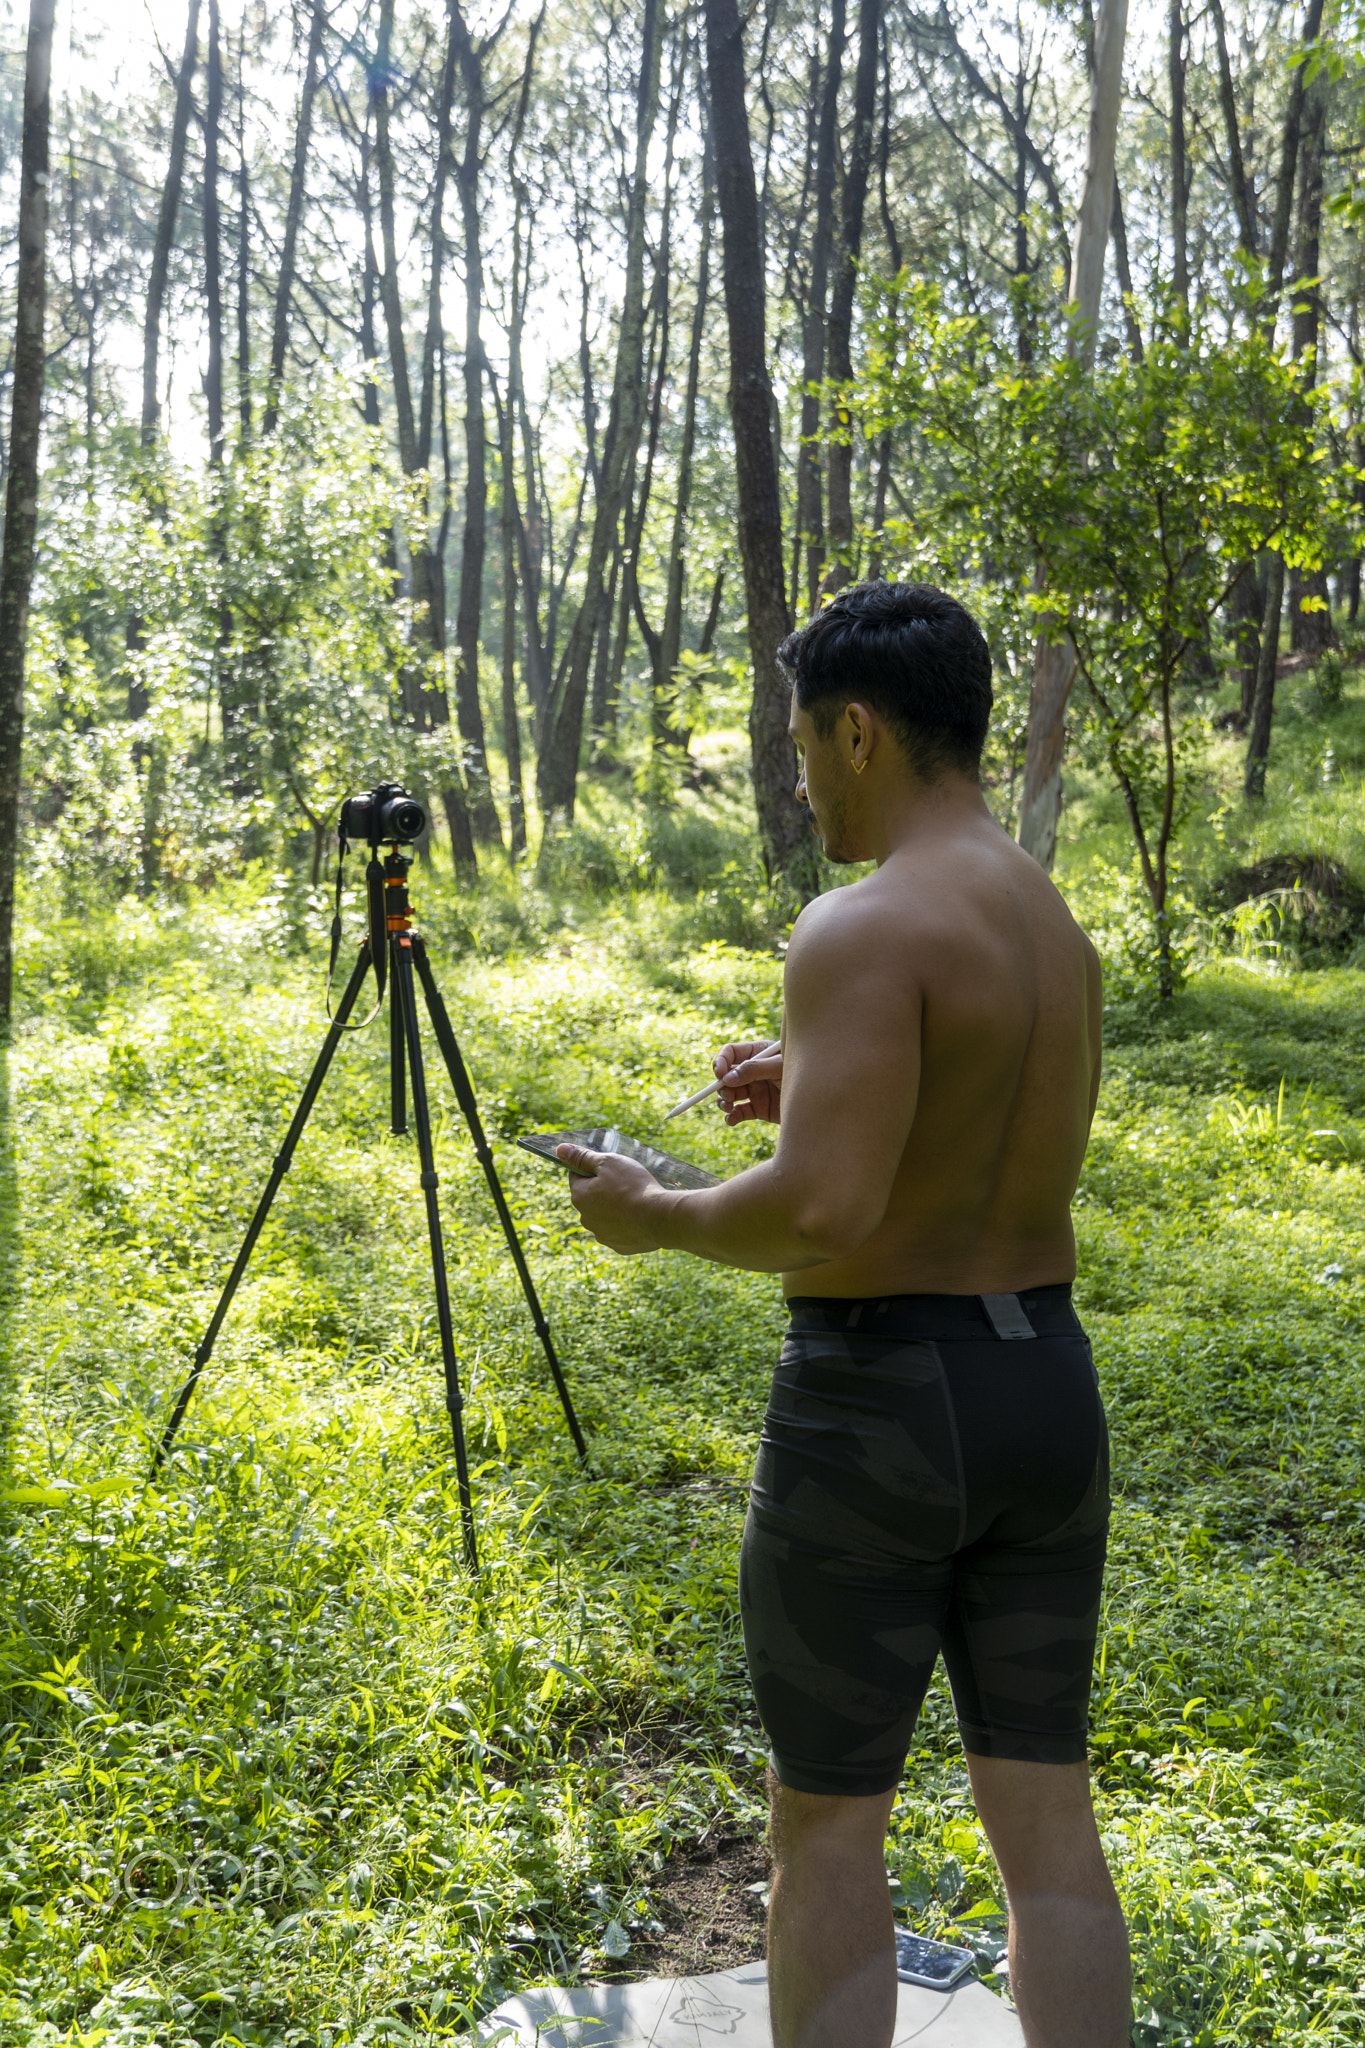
(857, 923)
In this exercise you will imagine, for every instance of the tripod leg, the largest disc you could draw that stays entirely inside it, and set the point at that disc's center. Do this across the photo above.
(464, 1095)
(283, 1161)
(398, 1102)
(405, 996)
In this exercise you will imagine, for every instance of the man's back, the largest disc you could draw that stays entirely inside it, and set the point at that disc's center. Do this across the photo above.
(964, 948)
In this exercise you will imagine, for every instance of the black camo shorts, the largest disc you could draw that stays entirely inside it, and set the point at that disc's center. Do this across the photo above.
(933, 1476)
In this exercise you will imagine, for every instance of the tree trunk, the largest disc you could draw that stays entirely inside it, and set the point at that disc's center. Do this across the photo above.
(782, 822)
(1097, 189)
(809, 515)
(244, 408)
(232, 709)
(213, 241)
(657, 362)
(388, 280)
(842, 562)
(530, 527)
(670, 639)
(165, 232)
(611, 707)
(1118, 235)
(1310, 632)
(284, 290)
(1263, 703)
(1054, 662)
(369, 286)
(468, 708)
(1289, 157)
(21, 496)
(1180, 234)
(1242, 197)
(601, 664)
(514, 537)
(1022, 266)
(557, 768)
(162, 244)
(894, 261)
(1246, 605)
(427, 578)
(511, 722)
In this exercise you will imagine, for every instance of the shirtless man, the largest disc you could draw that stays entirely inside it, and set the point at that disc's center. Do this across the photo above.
(933, 1472)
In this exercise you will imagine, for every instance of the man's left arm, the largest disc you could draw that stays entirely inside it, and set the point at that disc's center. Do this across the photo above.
(849, 1088)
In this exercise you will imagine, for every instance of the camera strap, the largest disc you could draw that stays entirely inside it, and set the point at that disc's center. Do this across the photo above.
(336, 919)
(379, 947)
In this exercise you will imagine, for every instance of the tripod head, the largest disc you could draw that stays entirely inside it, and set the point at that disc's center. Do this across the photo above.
(386, 901)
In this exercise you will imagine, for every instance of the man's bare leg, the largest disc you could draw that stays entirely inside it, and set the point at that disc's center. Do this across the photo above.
(1069, 1968)
(831, 1951)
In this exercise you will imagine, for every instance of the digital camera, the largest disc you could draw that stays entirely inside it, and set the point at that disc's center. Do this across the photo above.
(383, 816)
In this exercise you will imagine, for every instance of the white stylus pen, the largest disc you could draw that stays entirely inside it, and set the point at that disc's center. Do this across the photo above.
(703, 1094)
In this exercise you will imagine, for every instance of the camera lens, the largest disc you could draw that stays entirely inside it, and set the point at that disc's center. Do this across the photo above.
(403, 818)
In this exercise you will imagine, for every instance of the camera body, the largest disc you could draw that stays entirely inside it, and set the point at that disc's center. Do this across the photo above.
(383, 816)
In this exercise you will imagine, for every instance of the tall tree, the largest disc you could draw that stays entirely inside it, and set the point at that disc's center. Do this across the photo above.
(1263, 697)
(842, 557)
(1243, 198)
(293, 217)
(428, 581)
(472, 57)
(213, 239)
(514, 546)
(665, 645)
(244, 407)
(164, 239)
(1259, 699)
(21, 494)
(1054, 660)
(810, 535)
(557, 767)
(1246, 605)
(1289, 158)
(232, 707)
(782, 823)
(1310, 617)
(1180, 178)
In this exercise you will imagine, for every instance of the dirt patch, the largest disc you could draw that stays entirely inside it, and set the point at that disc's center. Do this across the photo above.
(711, 1919)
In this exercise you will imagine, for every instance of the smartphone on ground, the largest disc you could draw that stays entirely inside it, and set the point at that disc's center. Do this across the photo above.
(935, 1964)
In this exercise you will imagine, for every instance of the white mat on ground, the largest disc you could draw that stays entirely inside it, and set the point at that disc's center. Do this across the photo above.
(730, 2006)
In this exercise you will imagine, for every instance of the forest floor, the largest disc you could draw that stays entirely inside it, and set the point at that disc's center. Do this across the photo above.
(277, 1771)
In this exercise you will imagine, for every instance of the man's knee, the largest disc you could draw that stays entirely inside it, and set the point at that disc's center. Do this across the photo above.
(1041, 1823)
(798, 1818)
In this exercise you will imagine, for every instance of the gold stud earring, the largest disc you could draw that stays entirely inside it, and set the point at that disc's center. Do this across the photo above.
(858, 766)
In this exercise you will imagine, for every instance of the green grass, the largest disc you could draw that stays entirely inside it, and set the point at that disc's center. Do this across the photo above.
(276, 1772)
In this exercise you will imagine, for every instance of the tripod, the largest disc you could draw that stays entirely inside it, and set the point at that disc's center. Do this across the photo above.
(391, 944)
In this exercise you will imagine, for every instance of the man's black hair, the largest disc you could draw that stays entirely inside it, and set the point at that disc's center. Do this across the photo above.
(910, 651)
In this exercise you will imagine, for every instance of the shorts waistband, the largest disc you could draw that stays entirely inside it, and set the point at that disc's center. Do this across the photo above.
(1035, 1311)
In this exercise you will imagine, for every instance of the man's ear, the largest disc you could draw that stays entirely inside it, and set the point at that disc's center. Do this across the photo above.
(862, 723)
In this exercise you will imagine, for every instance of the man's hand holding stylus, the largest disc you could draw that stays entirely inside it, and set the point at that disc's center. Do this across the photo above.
(615, 1196)
(750, 1077)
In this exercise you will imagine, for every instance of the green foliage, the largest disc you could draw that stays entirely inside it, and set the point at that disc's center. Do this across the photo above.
(1114, 506)
(266, 645)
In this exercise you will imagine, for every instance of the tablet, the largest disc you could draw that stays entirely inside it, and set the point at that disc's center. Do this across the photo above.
(668, 1171)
